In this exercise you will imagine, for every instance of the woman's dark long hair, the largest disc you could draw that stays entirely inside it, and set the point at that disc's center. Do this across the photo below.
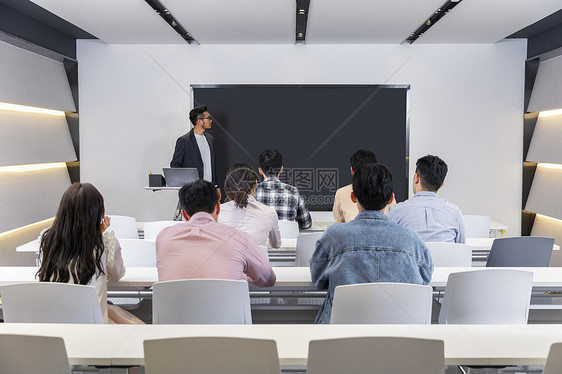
(72, 248)
(240, 180)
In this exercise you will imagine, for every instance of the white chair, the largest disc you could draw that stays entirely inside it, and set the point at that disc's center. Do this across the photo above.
(33, 354)
(450, 254)
(124, 227)
(491, 296)
(288, 229)
(322, 216)
(138, 252)
(211, 355)
(382, 303)
(152, 229)
(45, 302)
(476, 226)
(306, 243)
(553, 363)
(201, 301)
(376, 355)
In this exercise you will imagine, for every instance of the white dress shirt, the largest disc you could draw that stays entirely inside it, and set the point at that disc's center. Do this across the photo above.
(257, 219)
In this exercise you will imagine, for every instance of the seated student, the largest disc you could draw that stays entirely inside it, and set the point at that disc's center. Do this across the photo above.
(204, 248)
(78, 249)
(285, 199)
(434, 219)
(371, 248)
(344, 209)
(244, 212)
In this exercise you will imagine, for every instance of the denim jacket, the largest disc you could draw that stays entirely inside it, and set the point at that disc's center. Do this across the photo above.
(371, 248)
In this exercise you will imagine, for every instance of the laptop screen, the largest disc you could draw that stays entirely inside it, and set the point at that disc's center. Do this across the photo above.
(177, 177)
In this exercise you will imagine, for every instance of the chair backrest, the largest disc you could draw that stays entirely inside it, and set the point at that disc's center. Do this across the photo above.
(376, 355)
(488, 296)
(138, 252)
(124, 227)
(322, 216)
(288, 229)
(306, 243)
(33, 354)
(152, 229)
(201, 301)
(450, 254)
(522, 251)
(45, 302)
(476, 226)
(210, 355)
(553, 363)
(382, 303)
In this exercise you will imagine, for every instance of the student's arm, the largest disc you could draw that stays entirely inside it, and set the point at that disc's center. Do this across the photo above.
(460, 234)
(258, 270)
(115, 268)
(275, 234)
(336, 210)
(320, 262)
(303, 216)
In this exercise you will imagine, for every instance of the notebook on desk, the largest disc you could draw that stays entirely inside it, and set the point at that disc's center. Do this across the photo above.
(177, 177)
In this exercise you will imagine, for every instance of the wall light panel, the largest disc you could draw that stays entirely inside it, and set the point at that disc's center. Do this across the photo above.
(545, 196)
(29, 138)
(31, 196)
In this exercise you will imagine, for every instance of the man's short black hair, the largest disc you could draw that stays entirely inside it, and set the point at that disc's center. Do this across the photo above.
(196, 112)
(198, 196)
(362, 157)
(373, 185)
(271, 162)
(432, 172)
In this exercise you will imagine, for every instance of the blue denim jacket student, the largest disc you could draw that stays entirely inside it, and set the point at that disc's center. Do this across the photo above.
(371, 248)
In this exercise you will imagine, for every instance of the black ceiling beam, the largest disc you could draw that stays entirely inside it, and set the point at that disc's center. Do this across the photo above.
(302, 19)
(432, 20)
(163, 12)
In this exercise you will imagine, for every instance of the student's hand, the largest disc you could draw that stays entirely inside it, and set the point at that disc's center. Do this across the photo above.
(105, 222)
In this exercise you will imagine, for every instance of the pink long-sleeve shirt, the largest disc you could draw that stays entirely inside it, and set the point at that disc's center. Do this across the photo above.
(203, 248)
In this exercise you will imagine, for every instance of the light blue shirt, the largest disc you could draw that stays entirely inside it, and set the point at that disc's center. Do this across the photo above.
(434, 219)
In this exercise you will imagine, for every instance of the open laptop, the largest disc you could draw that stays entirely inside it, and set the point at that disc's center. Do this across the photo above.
(177, 177)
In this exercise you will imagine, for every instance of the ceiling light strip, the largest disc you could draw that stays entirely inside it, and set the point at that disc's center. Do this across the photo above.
(303, 7)
(163, 12)
(432, 20)
(30, 109)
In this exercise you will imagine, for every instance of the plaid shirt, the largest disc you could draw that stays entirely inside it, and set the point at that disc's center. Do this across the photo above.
(285, 199)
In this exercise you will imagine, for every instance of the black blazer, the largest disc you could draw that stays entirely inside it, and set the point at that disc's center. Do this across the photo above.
(187, 154)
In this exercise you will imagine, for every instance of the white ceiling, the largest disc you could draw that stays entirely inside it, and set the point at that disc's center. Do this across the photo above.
(273, 21)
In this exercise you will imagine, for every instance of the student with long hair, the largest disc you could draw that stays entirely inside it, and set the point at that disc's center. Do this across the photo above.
(78, 249)
(244, 212)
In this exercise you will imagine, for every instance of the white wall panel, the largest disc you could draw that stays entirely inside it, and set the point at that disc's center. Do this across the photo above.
(30, 196)
(466, 104)
(546, 141)
(547, 91)
(545, 226)
(29, 79)
(545, 196)
(31, 138)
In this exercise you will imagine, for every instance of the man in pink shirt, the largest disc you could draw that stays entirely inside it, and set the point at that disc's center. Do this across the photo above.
(204, 248)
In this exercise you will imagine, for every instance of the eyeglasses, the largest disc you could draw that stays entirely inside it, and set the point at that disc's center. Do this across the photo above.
(209, 117)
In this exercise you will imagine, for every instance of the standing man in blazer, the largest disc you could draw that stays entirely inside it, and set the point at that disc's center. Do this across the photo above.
(196, 149)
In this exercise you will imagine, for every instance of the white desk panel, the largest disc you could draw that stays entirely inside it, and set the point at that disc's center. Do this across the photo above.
(85, 344)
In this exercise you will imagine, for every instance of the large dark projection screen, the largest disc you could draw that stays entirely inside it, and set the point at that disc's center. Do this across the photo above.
(315, 127)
